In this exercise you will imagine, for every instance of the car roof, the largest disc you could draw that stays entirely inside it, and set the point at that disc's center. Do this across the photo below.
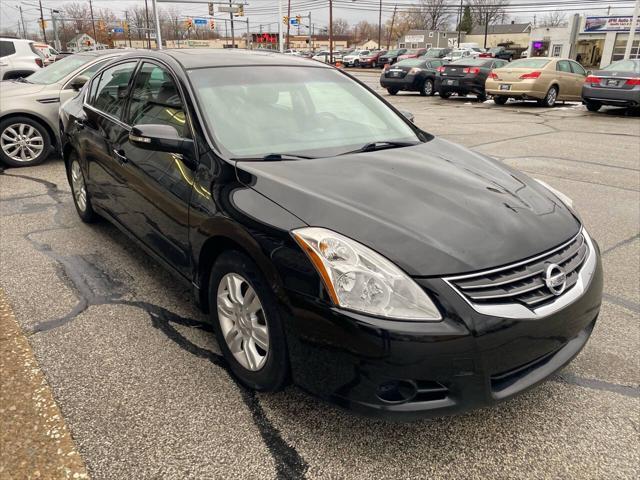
(218, 57)
(20, 40)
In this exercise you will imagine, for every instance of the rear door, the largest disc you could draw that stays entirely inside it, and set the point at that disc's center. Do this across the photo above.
(579, 74)
(157, 185)
(102, 129)
(566, 77)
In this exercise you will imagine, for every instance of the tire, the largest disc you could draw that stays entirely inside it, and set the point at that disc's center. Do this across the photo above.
(481, 97)
(550, 98)
(392, 91)
(268, 371)
(35, 150)
(356, 63)
(593, 106)
(500, 100)
(445, 95)
(79, 192)
(427, 89)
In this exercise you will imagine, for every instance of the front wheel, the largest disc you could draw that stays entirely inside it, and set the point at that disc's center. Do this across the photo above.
(392, 91)
(24, 142)
(247, 322)
(593, 106)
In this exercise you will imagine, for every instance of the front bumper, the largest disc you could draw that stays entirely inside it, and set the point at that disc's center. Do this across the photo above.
(407, 370)
(612, 96)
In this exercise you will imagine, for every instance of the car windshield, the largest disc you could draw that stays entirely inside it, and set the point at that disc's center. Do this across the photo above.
(624, 66)
(496, 49)
(59, 70)
(529, 63)
(253, 112)
(393, 52)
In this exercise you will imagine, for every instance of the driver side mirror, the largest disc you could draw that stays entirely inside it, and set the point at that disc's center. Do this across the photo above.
(78, 82)
(408, 115)
(160, 138)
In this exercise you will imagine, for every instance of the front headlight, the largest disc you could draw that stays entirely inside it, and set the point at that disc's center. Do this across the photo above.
(357, 278)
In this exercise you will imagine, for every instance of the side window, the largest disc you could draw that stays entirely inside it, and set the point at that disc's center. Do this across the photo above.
(577, 68)
(89, 73)
(155, 99)
(435, 64)
(6, 48)
(110, 93)
(563, 66)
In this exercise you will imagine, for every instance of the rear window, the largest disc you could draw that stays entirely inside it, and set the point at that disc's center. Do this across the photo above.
(472, 62)
(624, 66)
(529, 63)
(6, 48)
(411, 62)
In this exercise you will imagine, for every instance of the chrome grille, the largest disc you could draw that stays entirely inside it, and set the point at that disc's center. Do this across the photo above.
(524, 282)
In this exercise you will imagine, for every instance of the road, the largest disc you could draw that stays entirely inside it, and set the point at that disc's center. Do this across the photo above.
(135, 371)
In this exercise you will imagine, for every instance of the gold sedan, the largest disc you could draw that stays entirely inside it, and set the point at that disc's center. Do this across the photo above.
(544, 79)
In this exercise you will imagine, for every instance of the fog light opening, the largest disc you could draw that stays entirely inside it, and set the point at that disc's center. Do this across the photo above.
(397, 391)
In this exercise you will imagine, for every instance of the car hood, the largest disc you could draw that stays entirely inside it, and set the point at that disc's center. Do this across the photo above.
(11, 88)
(434, 209)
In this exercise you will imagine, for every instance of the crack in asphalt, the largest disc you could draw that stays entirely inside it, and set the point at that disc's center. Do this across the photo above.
(94, 286)
(587, 162)
(621, 243)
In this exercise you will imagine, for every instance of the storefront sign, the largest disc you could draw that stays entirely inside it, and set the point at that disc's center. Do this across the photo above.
(608, 24)
(414, 39)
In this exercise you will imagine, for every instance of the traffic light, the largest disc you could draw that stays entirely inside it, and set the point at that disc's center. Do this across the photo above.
(101, 26)
(42, 23)
(285, 20)
(298, 18)
(188, 23)
(211, 9)
(212, 24)
(240, 11)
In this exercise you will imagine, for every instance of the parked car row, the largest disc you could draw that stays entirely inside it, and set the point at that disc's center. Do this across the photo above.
(545, 80)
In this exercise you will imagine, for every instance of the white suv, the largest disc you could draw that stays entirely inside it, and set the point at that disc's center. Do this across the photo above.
(18, 58)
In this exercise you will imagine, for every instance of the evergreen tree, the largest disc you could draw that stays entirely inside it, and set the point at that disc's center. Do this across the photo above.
(466, 24)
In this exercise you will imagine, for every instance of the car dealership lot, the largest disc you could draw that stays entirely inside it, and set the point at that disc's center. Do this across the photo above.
(135, 370)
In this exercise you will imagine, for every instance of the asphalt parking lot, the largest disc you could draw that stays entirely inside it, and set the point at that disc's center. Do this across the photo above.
(135, 371)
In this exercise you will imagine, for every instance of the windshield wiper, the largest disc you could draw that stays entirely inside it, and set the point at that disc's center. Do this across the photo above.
(270, 157)
(373, 146)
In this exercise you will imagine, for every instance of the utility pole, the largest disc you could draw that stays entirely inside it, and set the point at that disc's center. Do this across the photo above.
(331, 31)
(288, 22)
(393, 20)
(632, 31)
(310, 35)
(126, 19)
(146, 14)
(44, 30)
(93, 24)
(486, 29)
(380, 26)
(156, 15)
(233, 35)
(280, 44)
(459, 22)
(24, 30)
(56, 39)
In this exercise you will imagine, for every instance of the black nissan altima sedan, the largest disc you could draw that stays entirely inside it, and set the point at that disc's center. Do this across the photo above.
(334, 244)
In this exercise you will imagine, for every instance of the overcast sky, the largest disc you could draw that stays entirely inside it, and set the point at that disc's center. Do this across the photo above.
(258, 10)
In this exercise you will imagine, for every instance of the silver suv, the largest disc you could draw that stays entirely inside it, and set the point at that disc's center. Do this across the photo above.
(29, 128)
(18, 58)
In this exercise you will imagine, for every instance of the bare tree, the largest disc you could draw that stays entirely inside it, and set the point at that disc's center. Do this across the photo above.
(435, 13)
(340, 26)
(554, 18)
(492, 10)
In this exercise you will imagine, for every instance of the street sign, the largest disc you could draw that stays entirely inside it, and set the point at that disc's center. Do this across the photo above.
(200, 21)
(293, 21)
(118, 30)
(227, 9)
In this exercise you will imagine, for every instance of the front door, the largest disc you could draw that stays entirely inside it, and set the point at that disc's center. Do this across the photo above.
(156, 200)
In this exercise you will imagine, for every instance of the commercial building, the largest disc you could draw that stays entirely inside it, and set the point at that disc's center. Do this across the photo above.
(595, 42)
(509, 35)
(427, 39)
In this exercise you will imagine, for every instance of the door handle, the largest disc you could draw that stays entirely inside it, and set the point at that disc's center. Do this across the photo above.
(79, 124)
(120, 155)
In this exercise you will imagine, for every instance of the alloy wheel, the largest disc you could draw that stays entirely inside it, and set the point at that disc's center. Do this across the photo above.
(552, 94)
(78, 185)
(243, 322)
(428, 87)
(22, 142)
